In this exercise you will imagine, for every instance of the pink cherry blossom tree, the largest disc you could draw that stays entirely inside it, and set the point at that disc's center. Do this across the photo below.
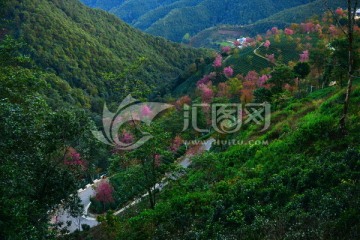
(146, 111)
(223, 90)
(271, 58)
(289, 31)
(226, 49)
(206, 92)
(275, 30)
(176, 143)
(228, 72)
(267, 44)
(339, 11)
(262, 81)
(104, 193)
(206, 79)
(218, 61)
(182, 101)
(126, 137)
(236, 43)
(252, 76)
(304, 57)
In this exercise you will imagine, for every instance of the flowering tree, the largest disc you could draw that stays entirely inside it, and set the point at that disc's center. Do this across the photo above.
(218, 61)
(236, 43)
(228, 71)
(126, 137)
(334, 31)
(275, 30)
(207, 78)
(262, 81)
(104, 193)
(308, 27)
(339, 11)
(226, 49)
(252, 76)
(176, 143)
(182, 101)
(146, 111)
(72, 157)
(271, 58)
(304, 57)
(223, 90)
(289, 31)
(267, 44)
(206, 92)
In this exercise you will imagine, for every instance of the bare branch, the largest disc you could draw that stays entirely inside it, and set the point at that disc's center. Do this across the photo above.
(335, 16)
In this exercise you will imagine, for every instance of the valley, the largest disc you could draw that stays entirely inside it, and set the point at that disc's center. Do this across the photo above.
(194, 119)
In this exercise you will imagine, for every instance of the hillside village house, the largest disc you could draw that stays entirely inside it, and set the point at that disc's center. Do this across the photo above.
(357, 14)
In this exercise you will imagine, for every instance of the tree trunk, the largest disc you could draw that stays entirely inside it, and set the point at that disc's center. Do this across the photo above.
(151, 199)
(350, 36)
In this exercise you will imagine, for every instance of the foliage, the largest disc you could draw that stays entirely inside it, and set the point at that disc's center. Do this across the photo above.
(173, 19)
(45, 152)
(303, 184)
(80, 45)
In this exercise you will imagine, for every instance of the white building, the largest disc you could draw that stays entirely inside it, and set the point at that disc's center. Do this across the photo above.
(357, 14)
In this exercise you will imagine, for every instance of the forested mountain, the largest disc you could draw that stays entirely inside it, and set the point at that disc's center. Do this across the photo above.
(103, 4)
(296, 179)
(258, 141)
(88, 48)
(211, 37)
(60, 61)
(173, 19)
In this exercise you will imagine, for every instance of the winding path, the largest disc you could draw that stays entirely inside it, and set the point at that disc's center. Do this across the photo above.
(85, 195)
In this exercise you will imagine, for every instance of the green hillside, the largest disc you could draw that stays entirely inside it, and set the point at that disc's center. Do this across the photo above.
(150, 17)
(210, 12)
(212, 36)
(258, 140)
(130, 11)
(80, 45)
(173, 19)
(103, 4)
(303, 184)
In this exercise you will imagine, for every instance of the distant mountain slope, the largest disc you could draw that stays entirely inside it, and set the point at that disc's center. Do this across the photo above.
(131, 10)
(303, 12)
(212, 12)
(211, 37)
(174, 18)
(103, 4)
(80, 44)
(149, 18)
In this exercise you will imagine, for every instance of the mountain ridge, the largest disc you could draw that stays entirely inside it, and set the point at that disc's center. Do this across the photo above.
(191, 16)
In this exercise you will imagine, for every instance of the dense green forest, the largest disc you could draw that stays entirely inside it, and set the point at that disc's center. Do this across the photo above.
(173, 19)
(211, 37)
(90, 48)
(103, 4)
(59, 63)
(290, 171)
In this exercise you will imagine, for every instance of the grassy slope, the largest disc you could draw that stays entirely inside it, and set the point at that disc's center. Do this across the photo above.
(304, 183)
(245, 60)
